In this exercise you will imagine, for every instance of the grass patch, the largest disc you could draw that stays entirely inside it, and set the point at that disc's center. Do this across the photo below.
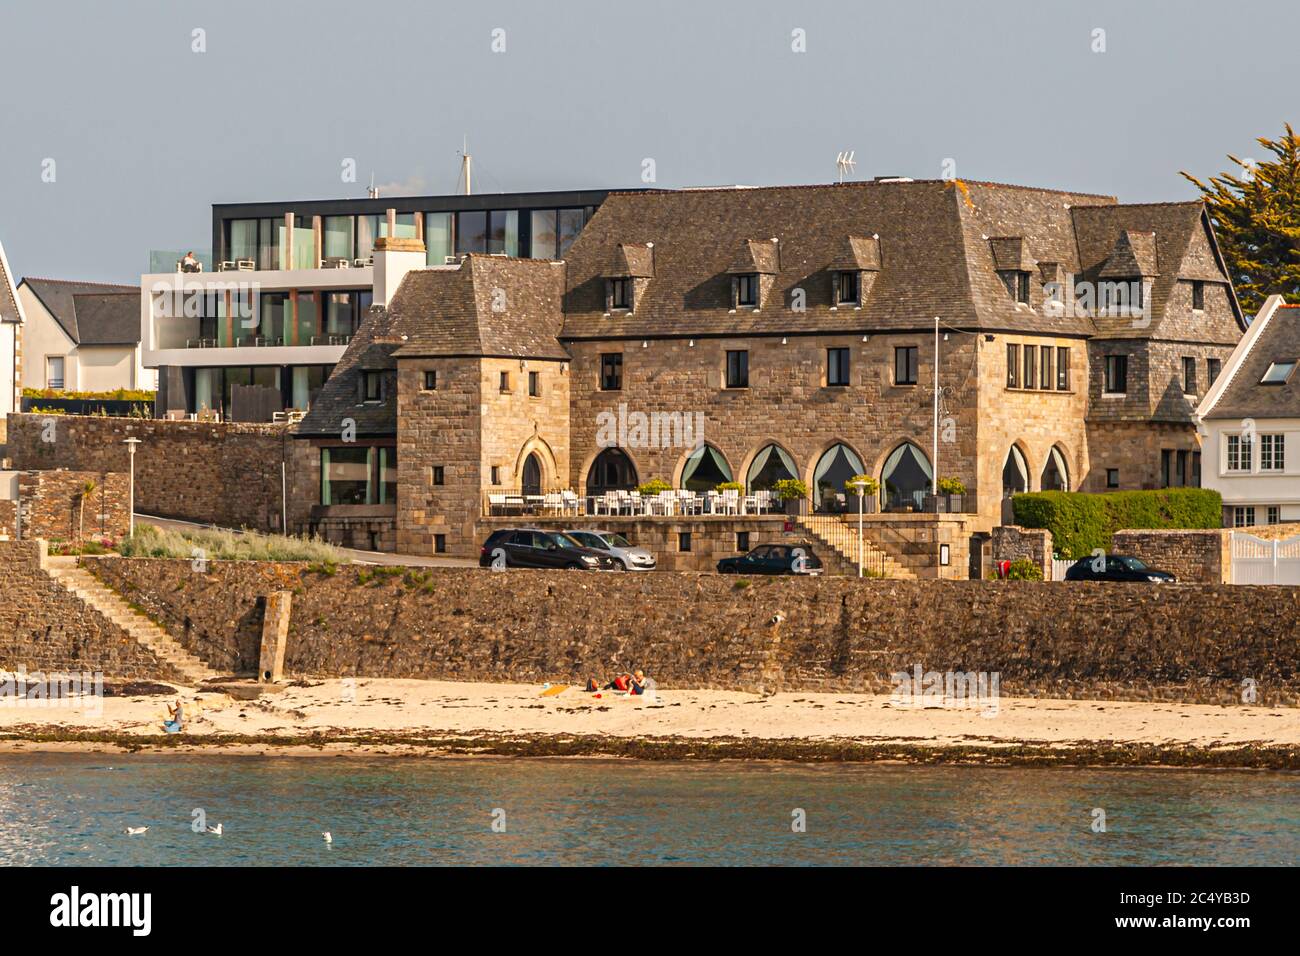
(153, 542)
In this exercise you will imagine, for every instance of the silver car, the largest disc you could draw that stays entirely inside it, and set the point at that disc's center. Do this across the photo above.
(623, 551)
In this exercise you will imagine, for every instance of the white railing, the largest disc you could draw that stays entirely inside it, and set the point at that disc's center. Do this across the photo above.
(1059, 567)
(1261, 561)
(668, 504)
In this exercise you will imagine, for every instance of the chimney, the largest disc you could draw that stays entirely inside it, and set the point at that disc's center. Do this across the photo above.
(394, 258)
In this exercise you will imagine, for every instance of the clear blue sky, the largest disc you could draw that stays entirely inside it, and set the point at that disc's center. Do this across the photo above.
(146, 134)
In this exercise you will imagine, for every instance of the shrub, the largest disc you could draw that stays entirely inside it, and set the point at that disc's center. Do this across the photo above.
(951, 486)
(116, 395)
(1080, 523)
(730, 486)
(153, 542)
(1022, 569)
(654, 486)
(868, 487)
(790, 489)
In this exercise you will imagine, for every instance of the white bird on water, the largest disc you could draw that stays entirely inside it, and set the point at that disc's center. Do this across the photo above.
(135, 831)
(216, 830)
(327, 836)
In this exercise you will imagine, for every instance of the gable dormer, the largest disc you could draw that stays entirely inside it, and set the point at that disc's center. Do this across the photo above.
(753, 273)
(628, 272)
(1125, 279)
(1014, 265)
(854, 270)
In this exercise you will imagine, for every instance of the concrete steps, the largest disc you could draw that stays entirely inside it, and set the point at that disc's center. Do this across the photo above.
(841, 540)
(90, 589)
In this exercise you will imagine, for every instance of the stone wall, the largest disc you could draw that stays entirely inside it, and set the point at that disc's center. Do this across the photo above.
(224, 473)
(1187, 642)
(50, 505)
(1013, 543)
(1203, 556)
(45, 628)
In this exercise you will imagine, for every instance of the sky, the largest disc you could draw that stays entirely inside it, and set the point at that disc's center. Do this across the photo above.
(121, 132)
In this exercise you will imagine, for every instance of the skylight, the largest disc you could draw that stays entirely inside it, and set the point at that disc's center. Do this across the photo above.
(1278, 373)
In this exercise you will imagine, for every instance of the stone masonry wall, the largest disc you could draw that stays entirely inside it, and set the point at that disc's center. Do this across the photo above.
(226, 473)
(1203, 556)
(45, 628)
(51, 505)
(1187, 642)
(1012, 543)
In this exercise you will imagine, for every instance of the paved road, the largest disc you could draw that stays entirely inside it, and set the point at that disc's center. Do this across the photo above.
(353, 554)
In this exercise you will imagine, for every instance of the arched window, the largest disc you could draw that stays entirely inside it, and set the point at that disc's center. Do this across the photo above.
(705, 469)
(906, 479)
(836, 466)
(1015, 474)
(770, 465)
(532, 477)
(1056, 476)
(611, 471)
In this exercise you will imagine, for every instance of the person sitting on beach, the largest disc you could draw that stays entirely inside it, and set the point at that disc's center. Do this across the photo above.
(592, 686)
(621, 682)
(177, 722)
(641, 683)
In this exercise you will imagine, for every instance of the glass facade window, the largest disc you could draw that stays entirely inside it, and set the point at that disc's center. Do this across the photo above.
(367, 233)
(274, 309)
(337, 241)
(471, 232)
(243, 239)
(570, 224)
(345, 476)
(503, 233)
(543, 235)
(308, 320)
(438, 237)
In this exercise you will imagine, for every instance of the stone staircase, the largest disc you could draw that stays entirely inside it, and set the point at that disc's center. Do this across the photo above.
(839, 540)
(83, 584)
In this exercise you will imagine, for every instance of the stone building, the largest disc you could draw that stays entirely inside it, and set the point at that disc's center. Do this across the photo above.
(751, 335)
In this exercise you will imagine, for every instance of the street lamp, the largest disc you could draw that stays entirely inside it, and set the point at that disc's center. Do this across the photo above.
(130, 444)
(861, 485)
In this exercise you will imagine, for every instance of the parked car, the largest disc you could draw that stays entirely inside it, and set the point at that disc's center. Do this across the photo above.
(774, 559)
(627, 556)
(1117, 567)
(537, 548)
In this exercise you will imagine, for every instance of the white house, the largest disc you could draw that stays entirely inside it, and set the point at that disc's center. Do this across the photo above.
(82, 336)
(11, 326)
(1249, 422)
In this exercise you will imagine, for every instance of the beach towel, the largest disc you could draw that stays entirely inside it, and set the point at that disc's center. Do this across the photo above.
(555, 689)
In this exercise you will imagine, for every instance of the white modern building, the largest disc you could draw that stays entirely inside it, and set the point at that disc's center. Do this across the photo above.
(1249, 422)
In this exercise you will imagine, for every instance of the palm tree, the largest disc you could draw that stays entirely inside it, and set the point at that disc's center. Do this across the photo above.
(86, 490)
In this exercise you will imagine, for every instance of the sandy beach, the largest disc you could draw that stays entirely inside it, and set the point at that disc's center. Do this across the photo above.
(442, 718)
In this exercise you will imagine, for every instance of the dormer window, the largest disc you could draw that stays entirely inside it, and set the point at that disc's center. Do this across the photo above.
(1198, 296)
(372, 386)
(620, 294)
(1279, 373)
(747, 290)
(848, 288)
(1017, 284)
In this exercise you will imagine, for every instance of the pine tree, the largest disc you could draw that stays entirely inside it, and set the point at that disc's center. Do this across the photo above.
(1257, 220)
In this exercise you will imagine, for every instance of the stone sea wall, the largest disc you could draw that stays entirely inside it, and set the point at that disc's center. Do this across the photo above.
(1181, 642)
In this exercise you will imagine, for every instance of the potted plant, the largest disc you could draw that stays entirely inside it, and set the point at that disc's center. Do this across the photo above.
(652, 487)
(729, 486)
(868, 488)
(792, 493)
(950, 494)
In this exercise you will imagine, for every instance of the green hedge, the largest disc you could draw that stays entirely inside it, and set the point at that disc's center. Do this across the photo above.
(1081, 522)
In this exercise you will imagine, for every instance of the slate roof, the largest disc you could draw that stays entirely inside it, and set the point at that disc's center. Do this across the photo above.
(91, 313)
(631, 260)
(939, 247)
(1244, 397)
(10, 310)
(443, 312)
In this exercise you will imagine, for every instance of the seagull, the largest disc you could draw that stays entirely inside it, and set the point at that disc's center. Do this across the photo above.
(216, 829)
(328, 837)
(135, 831)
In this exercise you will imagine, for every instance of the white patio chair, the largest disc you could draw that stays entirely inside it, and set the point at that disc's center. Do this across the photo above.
(552, 502)
(749, 505)
(730, 501)
(569, 502)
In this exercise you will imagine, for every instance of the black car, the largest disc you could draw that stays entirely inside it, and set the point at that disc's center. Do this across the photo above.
(536, 548)
(774, 559)
(1116, 567)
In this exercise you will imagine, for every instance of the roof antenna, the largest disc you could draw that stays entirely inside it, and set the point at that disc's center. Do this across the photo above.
(844, 162)
(466, 164)
(372, 191)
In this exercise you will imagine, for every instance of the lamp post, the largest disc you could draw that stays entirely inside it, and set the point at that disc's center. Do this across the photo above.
(861, 485)
(130, 444)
